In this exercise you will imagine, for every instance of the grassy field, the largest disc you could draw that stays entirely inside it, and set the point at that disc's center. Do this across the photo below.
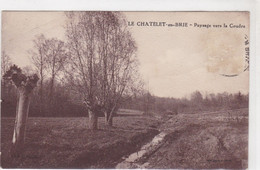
(201, 140)
(204, 140)
(67, 143)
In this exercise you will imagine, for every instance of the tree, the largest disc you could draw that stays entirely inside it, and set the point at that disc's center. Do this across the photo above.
(116, 50)
(81, 40)
(196, 97)
(197, 100)
(5, 63)
(49, 57)
(25, 84)
(38, 56)
(55, 59)
(102, 60)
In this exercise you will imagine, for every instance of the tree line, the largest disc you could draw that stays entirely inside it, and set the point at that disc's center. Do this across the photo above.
(95, 71)
(196, 102)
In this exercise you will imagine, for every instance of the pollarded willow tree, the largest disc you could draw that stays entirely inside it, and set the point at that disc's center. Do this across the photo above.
(25, 85)
(103, 60)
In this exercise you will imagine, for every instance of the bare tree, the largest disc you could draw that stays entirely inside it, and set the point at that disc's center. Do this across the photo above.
(55, 59)
(102, 56)
(81, 32)
(116, 49)
(25, 85)
(5, 63)
(48, 56)
(38, 56)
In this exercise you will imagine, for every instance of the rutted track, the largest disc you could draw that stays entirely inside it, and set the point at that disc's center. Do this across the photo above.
(135, 159)
(201, 141)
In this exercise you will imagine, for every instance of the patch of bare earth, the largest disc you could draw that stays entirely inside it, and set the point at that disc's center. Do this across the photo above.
(204, 140)
(67, 142)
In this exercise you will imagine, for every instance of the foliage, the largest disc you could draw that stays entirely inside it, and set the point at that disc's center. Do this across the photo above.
(196, 103)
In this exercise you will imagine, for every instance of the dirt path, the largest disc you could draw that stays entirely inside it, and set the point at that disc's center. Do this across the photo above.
(202, 140)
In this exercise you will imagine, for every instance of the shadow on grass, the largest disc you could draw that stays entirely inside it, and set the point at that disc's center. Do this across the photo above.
(109, 156)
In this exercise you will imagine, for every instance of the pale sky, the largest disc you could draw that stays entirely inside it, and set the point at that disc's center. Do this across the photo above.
(176, 61)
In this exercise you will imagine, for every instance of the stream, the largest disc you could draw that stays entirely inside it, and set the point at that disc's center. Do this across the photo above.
(132, 160)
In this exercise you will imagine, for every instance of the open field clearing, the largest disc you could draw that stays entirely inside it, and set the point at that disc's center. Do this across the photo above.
(201, 140)
(67, 142)
(129, 112)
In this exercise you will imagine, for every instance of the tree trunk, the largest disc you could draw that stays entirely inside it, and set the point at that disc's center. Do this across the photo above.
(51, 87)
(41, 83)
(108, 119)
(20, 122)
(106, 116)
(51, 106)
(93, 120)
(111, 115)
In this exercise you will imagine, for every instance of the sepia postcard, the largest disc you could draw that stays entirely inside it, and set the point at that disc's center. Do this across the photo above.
(123, 90)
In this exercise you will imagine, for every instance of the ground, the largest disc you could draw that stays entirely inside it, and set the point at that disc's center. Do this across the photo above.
(200, 140)
(66, 142)
(204, 140)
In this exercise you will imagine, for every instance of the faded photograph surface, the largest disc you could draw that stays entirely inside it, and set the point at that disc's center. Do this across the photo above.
(125, 90)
